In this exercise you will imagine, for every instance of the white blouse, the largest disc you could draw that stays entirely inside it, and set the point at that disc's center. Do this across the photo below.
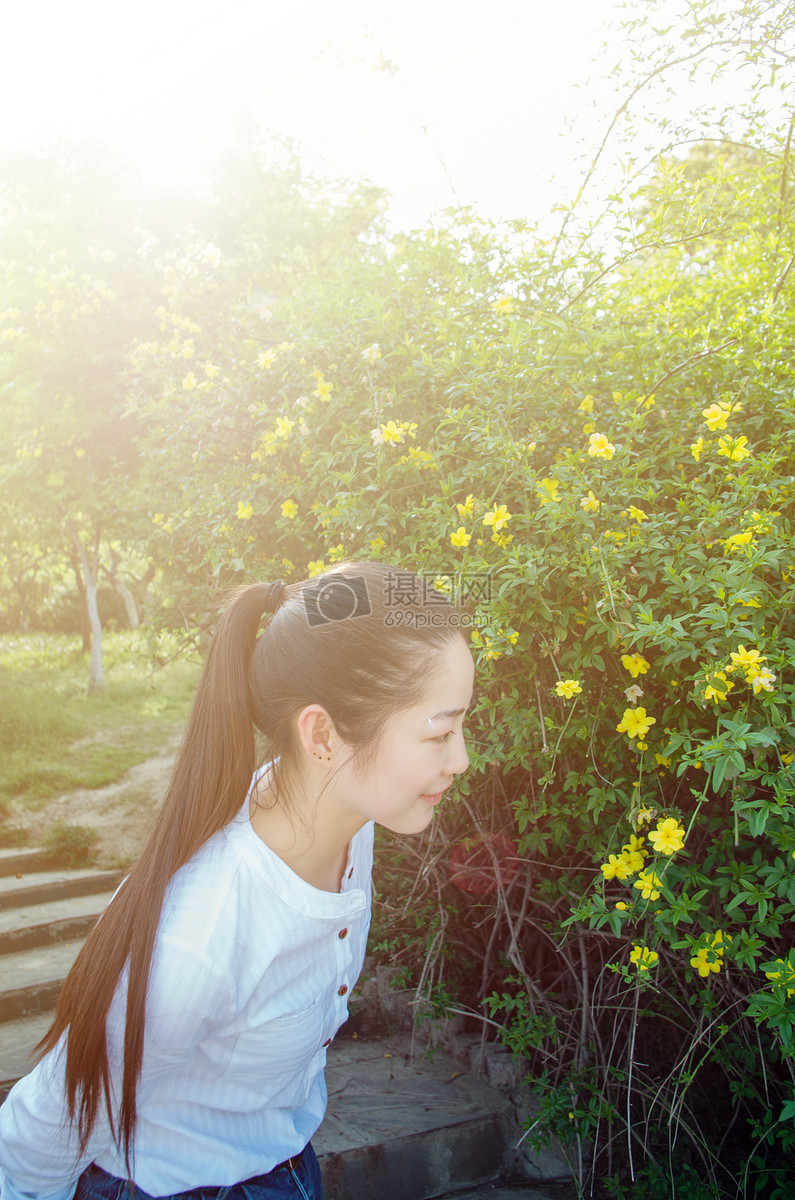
(250, 979)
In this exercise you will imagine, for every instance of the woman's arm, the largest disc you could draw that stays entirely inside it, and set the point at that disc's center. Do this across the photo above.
(39, 1148)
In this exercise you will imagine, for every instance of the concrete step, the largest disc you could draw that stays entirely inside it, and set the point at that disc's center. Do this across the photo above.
(27, 925)
(30, 980)
(41, 887)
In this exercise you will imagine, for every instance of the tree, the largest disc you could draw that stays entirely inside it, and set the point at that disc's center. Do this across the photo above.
(74, 282)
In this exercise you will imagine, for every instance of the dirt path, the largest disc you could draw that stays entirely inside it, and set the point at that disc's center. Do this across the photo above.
(122, 813)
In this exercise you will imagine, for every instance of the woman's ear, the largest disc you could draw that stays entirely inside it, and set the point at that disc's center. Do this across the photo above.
(316, 733)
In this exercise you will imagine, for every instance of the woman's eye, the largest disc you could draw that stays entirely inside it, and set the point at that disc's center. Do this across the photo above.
(442, 738)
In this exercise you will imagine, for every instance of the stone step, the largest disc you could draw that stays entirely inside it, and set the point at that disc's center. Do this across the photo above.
(31, 979)
(405, 1127)
(27, 925)
(17, 1039)
(14, 862)
(41, 887)
(551, 1190)
(397, 1125)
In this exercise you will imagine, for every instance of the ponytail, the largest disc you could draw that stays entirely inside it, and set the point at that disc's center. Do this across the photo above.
(211, 779)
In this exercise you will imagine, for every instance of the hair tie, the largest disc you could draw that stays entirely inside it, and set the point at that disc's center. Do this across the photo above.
(274, 595)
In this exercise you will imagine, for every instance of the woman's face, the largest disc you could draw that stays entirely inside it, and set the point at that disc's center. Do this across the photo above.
(420, 753)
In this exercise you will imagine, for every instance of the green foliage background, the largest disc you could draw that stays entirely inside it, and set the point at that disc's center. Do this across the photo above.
(601, 426)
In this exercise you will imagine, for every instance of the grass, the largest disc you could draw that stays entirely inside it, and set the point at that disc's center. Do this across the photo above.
(70, 845)
(56, 736)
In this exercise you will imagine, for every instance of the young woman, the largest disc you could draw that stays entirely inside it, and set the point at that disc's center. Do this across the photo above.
(188, 1046)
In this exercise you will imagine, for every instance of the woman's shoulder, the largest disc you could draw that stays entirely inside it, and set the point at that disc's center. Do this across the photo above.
(203, 896)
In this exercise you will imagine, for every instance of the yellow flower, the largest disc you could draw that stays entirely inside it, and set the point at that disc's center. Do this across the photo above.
(635, 723)
(587, 405)
(372, 353)
(503, 304)
(324, 388)
(284, 427)
(718, 414)
(668, 837)
(761, 680)
(567, 688)
(422, 459)
(377, 544)
(600, 447)
(621, 906)
(589, 503)
(636, 664)
(497, 517)
(395, 432)
(735, 449)
(485, 644)
(289, 509)
(738, 541)
(662, 762)
(744, 660)
(787, 758)
(634, 860)
(616, 867)
(468, 507)
(643, 958)
(315, 567)
(547, 491)
(635, 845)
(244, 511)
(783, 977)
(704, 961)
(189, 382)
(718, 686)
(266, 359)
(697, 448)
(460, 537)
(645, 816)
(648, 885)
(637, 514)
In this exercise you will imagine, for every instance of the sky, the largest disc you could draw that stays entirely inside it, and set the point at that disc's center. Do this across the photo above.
(442, 102)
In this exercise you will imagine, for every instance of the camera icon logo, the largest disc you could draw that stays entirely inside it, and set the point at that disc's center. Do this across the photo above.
(336, 598)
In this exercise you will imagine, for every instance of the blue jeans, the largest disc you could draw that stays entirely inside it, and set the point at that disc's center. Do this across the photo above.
(297, 1179)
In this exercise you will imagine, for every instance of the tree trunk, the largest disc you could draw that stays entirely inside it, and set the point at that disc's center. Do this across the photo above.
(85, 628)
(129, 603)
(133, 619)
(96, 678)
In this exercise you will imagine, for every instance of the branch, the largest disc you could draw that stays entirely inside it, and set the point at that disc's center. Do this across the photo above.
(689, 363)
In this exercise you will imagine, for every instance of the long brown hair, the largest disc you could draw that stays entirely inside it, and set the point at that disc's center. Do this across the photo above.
(357, 640)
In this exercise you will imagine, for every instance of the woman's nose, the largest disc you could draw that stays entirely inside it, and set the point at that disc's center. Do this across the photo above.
(459, 758)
